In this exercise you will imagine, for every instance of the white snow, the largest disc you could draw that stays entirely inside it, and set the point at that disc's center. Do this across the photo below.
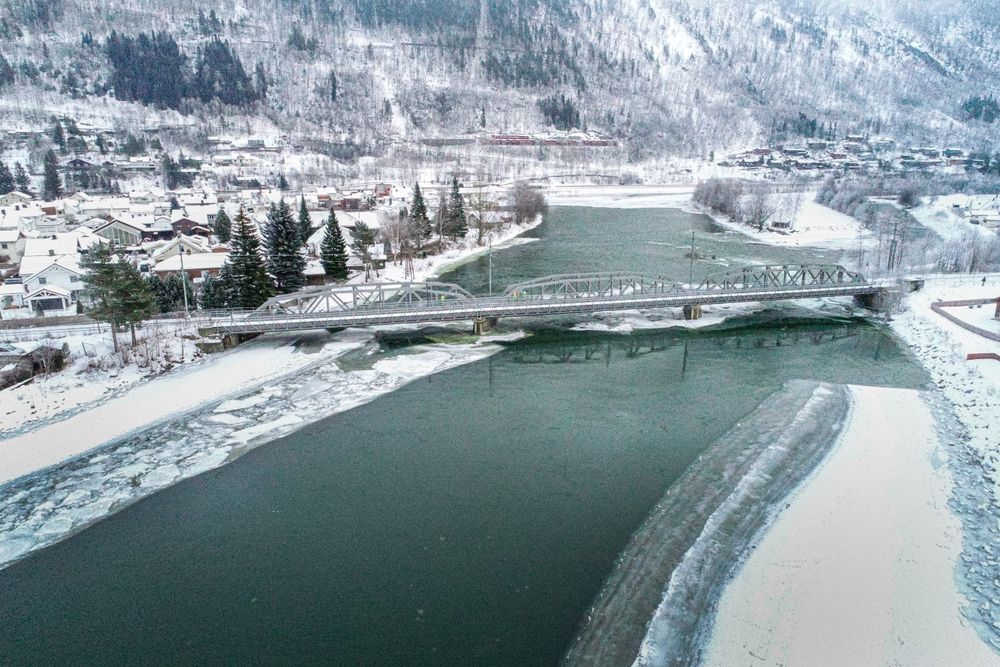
(973, 387)
(620, 196)
(183, 390)
(860, 568)
(814, 225)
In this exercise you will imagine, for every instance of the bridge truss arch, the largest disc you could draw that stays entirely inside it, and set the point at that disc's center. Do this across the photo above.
(333, 298)
(782, 277)
(590, 286)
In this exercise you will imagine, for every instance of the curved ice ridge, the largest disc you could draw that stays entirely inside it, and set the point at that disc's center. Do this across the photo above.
(678, 562)
(40, 509)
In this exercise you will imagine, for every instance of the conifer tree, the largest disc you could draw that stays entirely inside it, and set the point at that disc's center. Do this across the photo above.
(333, 250)
(305, 222)
(21, 179)
(250, 285)
(134, 298)
(6, 179)
(52, 184)
(58, 135)
(223, 227)
(362, 238)
(213, 294)
(117, 292)
(285, 263)
(101, 281)
(282, 182)
(457, 225)
(419, 213)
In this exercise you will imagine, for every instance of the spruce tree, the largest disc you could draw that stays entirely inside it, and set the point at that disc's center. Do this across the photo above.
(58, 135)
(333, 250)
(282, 182)
(6, 179)
(101, 280)
(134, 298)
(305, 222)
(21, 179)
(362, 238)
(283, 239)
(457, 226)
(419, 213)
(213, 294)
(223, 227)
(52, 184)
(250, 285)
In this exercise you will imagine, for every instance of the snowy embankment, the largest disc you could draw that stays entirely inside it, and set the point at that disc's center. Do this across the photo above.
(859, 569)
(887, 555)
(677, 562)
(456, 254)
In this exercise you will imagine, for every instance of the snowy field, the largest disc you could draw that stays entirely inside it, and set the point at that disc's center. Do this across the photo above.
(814, 225)
(621, 196)
(939, 214)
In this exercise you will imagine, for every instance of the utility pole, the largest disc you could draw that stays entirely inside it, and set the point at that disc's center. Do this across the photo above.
(491, 265)
(691, 264)
(892, 247)
(184, 282)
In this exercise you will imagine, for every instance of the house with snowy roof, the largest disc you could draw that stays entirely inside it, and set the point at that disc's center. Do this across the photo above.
(12, 243)
(196, 265)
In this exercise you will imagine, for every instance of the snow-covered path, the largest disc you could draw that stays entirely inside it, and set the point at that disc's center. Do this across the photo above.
(860, 568)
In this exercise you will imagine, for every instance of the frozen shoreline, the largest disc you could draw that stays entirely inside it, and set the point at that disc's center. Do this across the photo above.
(859, 568)
(43, 508)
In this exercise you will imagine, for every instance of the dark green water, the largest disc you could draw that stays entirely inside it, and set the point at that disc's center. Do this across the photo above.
(652, 241)
(466, 519)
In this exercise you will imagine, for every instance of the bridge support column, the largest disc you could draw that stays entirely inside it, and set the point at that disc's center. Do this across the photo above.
(881, 301)
(483, 325)
(232, 340)
(692, 311)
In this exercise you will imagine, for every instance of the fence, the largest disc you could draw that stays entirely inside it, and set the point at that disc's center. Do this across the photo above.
(939, 308)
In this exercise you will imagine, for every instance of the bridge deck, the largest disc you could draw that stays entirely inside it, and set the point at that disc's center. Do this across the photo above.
(510, 306)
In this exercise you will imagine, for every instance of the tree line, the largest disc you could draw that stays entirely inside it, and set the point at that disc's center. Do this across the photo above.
(153, 70)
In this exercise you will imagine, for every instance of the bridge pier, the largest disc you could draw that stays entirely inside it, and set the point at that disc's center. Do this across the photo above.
(881, 301)
(692, 311)
(484, 325)
(232, 340)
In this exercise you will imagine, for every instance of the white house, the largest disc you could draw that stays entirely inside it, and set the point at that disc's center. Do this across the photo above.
(63, 273)
(12, 243)
(189, 244)
(196, 265)
(14, 198)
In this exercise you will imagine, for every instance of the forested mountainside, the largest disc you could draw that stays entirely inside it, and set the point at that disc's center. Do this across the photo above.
(662, 77)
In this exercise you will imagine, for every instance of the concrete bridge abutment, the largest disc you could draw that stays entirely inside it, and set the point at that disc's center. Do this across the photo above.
(692, 311)
(484, 325)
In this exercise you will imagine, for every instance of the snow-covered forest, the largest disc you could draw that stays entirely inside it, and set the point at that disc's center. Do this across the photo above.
(353, 78)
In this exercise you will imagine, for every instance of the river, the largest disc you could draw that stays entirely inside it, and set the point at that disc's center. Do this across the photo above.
(470, 517)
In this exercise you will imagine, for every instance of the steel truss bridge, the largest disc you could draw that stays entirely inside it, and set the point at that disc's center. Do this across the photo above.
(372, 304)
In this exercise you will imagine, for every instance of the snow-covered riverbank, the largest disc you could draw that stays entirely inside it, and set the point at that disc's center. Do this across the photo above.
(859, 569)
(190, 428)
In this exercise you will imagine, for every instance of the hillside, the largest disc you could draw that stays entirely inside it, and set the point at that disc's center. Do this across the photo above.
(351, 78)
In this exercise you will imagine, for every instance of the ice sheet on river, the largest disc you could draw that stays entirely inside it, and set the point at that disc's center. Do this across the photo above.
(40, 509)
(677, 563)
